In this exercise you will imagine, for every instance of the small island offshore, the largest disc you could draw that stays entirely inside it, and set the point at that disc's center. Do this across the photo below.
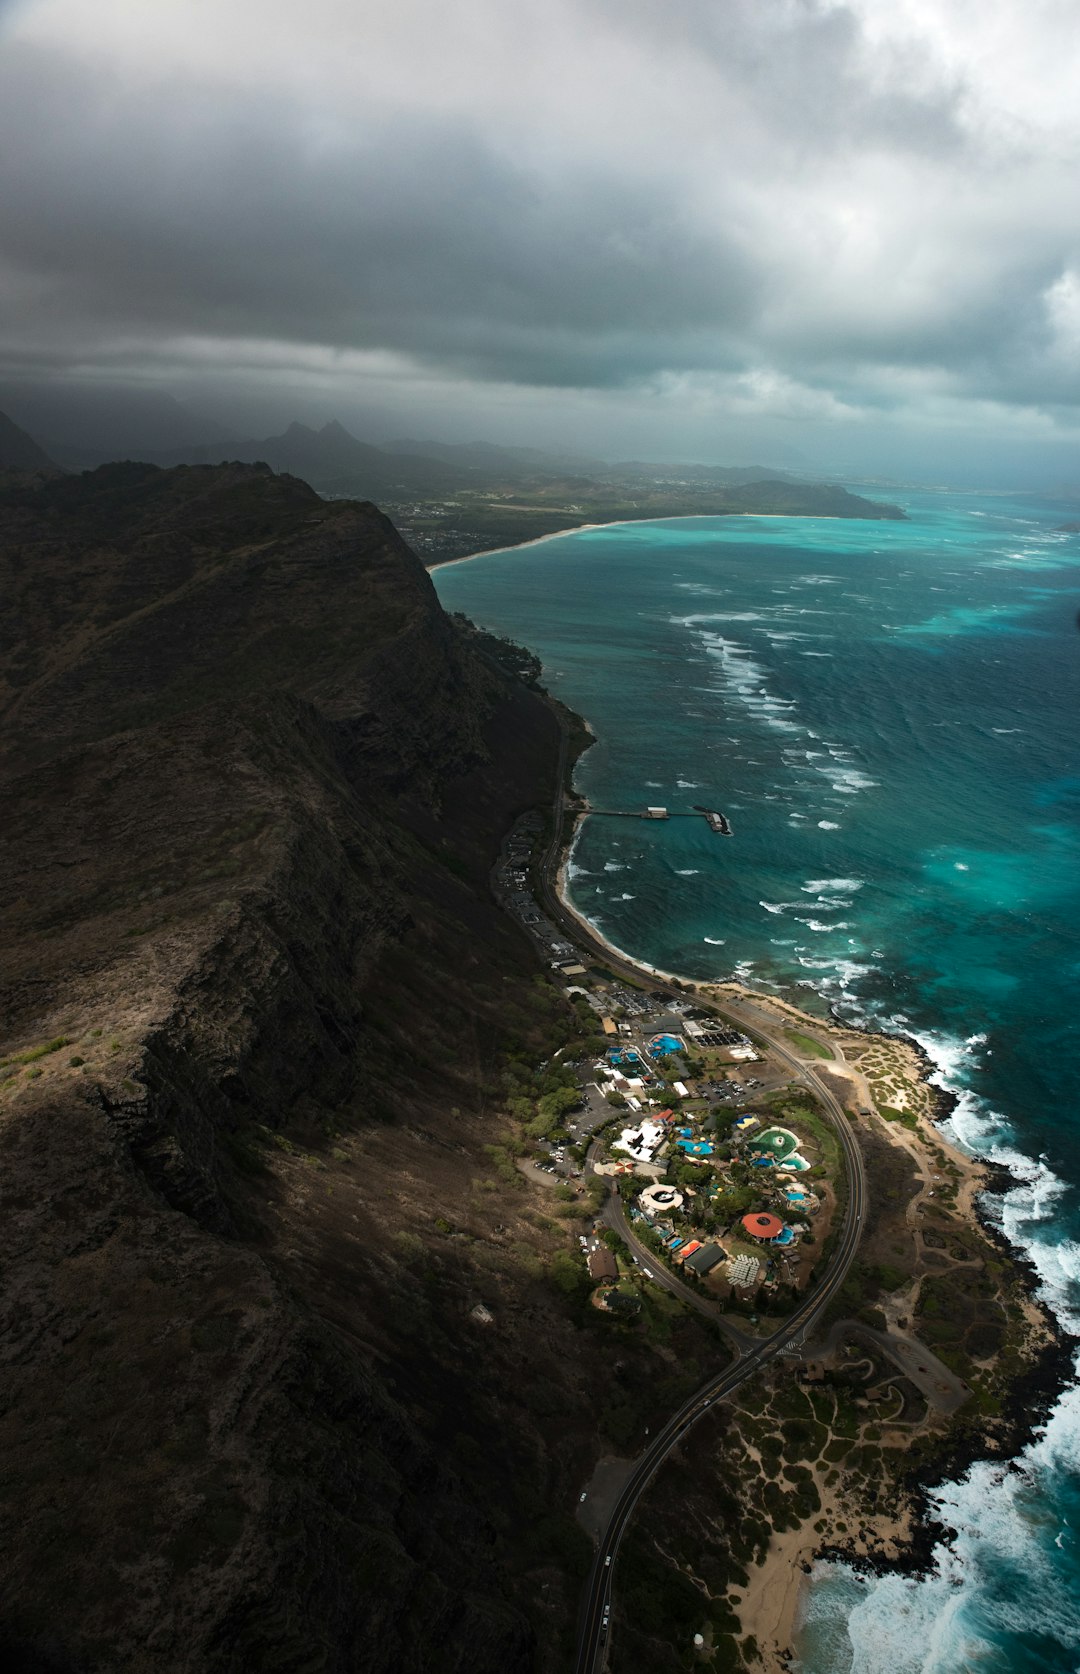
(396, 1274)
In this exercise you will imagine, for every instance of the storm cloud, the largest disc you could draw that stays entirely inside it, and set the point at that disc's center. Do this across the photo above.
(810, 211)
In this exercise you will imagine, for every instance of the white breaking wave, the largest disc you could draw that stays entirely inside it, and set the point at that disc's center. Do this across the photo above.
(840, 886)
(1034, 1203)
(714, 941)
(614, 866)
(947, 1621)
(828, 825)
(744, 680)
(719, 616)
(816, 924)
(687, 871)
(841, 972)
(848, 780)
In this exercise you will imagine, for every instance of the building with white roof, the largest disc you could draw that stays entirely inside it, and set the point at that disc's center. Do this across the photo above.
(641, 1142)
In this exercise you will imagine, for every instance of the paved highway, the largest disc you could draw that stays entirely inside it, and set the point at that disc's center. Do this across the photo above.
(615, 1217)
(594, 1621)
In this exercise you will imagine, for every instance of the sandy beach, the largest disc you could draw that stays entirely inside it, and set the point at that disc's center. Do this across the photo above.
(771, 1607)
(621, 523)
(537, 540)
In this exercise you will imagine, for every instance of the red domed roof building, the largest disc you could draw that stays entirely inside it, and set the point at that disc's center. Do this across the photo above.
(765, 1228)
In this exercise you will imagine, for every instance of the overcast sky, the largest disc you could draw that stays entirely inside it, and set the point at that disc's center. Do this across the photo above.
(662, 226)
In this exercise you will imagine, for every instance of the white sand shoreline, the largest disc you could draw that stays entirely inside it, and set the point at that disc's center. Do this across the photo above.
(703, 985)
(628, 522)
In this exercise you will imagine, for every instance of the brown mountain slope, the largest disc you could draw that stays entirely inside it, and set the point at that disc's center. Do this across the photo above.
(255, 999)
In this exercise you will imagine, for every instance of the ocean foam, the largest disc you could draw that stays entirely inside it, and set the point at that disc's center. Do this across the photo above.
(822, 886)
(828, 825)
(744, 680)
(1005, 1525)
(848, 781)
(1034, 1203)
(714, 941)
(719, 616)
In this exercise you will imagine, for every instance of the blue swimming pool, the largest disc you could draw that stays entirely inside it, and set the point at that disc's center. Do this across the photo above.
(662, 1045)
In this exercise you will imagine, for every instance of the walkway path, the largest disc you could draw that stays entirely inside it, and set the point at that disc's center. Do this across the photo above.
(931, 1377)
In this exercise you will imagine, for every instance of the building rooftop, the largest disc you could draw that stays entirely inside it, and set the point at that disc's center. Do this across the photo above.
(765, 1227)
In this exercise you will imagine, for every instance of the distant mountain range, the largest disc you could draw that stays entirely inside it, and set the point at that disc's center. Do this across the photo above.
(448, 497)
(18, 451)
(80, 428)
(335, 461)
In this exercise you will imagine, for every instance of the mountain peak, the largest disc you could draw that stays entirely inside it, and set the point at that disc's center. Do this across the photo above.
(19, 451)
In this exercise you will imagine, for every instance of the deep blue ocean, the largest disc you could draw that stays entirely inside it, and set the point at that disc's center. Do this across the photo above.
(889, 713)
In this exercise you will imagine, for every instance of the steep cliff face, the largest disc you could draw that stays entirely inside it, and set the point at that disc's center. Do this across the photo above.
(254, 988)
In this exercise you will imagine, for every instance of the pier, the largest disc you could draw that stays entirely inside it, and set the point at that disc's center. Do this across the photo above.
(716, 821)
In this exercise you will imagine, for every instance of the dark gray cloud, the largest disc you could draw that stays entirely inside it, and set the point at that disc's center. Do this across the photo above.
(801, 210)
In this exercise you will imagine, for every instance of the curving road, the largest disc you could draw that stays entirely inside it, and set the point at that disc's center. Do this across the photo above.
(596, 1605)
(615, 1217)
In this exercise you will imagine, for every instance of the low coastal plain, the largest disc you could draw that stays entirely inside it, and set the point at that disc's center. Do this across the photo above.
(934, 1354)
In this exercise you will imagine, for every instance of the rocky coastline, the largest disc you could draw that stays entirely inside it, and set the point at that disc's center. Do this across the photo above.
(906, 1538)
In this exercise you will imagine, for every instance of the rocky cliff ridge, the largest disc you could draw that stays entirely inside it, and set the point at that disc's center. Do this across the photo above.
(254, 989)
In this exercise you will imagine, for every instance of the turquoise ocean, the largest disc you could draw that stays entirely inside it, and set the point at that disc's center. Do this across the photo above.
(889, 714)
